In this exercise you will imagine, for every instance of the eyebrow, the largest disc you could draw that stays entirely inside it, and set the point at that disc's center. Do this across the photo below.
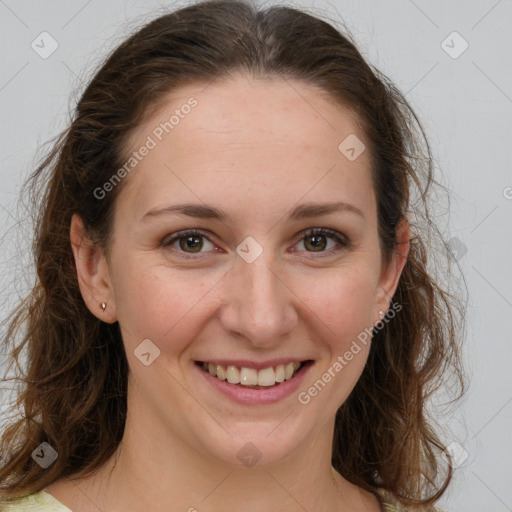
(303, 211)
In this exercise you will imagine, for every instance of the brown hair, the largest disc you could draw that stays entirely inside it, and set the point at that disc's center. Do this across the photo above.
(74, 388)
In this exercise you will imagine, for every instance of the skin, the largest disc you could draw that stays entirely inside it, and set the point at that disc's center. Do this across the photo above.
(256, 148)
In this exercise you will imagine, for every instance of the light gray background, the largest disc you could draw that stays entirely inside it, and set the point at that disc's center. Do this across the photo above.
(465, 104)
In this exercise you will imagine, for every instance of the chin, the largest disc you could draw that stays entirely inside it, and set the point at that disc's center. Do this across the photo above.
(252, 443)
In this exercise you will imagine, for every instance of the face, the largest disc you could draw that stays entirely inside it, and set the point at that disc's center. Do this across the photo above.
(257, 287)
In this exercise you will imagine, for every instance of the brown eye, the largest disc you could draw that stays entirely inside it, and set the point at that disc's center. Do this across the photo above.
(193, 242)
(316, 240)
(189, 242)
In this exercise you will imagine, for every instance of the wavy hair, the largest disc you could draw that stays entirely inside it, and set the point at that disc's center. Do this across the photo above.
(74, 384)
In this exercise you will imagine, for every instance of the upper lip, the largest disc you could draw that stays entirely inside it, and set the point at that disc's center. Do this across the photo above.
(257, 365)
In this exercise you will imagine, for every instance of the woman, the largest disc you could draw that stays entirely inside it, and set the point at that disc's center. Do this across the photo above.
(188, 349)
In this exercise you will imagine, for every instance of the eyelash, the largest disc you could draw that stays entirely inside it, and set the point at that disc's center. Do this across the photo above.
(341, 239)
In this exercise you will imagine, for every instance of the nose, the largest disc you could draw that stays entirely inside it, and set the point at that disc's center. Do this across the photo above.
(259, 304)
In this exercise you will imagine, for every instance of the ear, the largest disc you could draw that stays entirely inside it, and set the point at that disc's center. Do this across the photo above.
(92, 273)
(390, 275)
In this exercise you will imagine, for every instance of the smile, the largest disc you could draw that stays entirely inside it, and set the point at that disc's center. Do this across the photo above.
(251, 377)
(268, 384)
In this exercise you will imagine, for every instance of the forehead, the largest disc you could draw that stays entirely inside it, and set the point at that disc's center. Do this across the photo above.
(271, 140)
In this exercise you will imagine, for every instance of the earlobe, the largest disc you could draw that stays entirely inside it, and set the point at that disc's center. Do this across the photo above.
(390, 275)
(92, 273)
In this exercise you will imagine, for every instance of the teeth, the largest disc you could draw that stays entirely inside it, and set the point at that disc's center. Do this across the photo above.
(250, 376)
(280, 373)
(221, 374)
(288, 371)
(233, 375)
(266, 377)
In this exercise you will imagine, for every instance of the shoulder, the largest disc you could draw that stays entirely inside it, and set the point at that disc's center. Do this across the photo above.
(37, 502)
(390, 503)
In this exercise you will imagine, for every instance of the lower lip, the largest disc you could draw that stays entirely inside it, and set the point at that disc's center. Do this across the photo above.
(257, 396)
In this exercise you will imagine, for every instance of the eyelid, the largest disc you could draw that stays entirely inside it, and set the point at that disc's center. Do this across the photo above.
(342, 240)
(168, 240)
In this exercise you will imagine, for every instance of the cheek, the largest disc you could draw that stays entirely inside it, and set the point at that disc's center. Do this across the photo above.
(171, 306)
(341, 319)
(343, 300)
(160, 303)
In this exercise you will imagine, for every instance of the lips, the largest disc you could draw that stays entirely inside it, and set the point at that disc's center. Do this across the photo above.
(248, 394)
(249, 376)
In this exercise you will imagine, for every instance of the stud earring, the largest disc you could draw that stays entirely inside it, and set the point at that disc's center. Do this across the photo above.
(381, 313)
(103, 306)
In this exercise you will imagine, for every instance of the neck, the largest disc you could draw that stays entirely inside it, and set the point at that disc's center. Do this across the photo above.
(156, 469)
